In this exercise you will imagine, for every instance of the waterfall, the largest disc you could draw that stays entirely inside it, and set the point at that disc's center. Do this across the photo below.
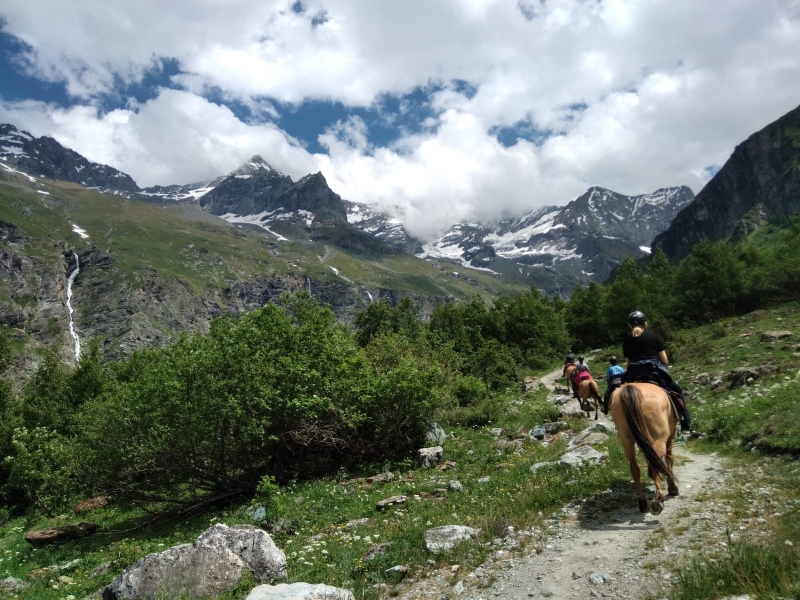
(72, 332)
(369, 295)
(308, 281)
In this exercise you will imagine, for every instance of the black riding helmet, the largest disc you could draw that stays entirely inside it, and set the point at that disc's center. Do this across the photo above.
(636, 318)
(613, 360)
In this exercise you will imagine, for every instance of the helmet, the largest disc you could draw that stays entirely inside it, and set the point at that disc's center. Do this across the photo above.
(613, 360)
(580, 359)
(636, 318)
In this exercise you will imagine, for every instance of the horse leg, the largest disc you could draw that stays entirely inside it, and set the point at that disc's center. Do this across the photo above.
(630, 454)
(657, 503)
(672, 485)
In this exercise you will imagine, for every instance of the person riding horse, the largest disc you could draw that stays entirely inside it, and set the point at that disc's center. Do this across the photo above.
(646, 358)
(614, 375)
(580, 373)
(570, 360)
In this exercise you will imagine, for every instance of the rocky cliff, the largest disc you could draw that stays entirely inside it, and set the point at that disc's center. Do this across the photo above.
(761, 179)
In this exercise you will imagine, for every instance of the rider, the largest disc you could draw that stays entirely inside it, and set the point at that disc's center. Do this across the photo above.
(646, 355)
(581, 373)
(570, 360)
(614, 375)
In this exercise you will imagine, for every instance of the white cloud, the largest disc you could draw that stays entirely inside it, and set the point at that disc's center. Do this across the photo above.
(178, 137)
(669, 87)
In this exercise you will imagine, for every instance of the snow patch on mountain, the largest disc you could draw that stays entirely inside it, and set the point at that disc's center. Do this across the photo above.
(259, 220)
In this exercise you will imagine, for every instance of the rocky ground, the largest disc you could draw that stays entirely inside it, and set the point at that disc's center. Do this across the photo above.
(603, 547)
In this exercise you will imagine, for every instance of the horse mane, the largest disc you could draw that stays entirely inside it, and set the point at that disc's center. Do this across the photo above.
(630, 398)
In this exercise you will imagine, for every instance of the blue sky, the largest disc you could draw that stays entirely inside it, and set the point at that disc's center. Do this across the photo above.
(438, 112)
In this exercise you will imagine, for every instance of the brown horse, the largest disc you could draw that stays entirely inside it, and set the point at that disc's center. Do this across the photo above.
(588, 389)
(644, 416)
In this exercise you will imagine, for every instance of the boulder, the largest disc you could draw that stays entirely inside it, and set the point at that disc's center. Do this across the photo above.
(530, 383)
(91, 504)
(562, 400)
(580, 457)
(430, 457)
(391, 501)
(445, 538)
(12, 585)
(599, 578)
(774, 336)
(381, 478)
(257, 513)
(555, 427)
(744, 375)
(587, 437)
(570, 410)
(59, 535)
(607, 427)
(538, 432)
(376, 550)
(299, 591)
(435, 434)
(455, 486)
(210, 566)
(541, 465)
(509, 445)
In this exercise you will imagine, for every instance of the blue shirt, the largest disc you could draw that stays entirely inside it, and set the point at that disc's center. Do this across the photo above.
(613, 371)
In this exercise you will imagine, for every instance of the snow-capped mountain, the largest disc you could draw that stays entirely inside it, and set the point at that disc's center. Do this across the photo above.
(386, 228)
(556, 247)
(45, 157)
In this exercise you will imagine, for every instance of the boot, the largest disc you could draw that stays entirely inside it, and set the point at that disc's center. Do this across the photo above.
(686, 421)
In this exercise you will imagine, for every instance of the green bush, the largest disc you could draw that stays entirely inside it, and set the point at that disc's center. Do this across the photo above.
(468, 390)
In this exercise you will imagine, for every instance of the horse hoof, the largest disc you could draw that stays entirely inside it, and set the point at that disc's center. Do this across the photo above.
(656, 506)
(673, 491)
(643, 506)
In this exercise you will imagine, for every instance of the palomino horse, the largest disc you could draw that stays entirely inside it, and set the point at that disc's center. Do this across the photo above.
(644, 416)
(569, 371)
(588, 389)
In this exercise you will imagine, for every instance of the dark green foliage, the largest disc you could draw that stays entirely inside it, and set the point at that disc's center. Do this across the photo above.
(380, 317)
(284, 391)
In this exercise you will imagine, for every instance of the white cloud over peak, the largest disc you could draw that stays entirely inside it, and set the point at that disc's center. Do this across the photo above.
(625, 94)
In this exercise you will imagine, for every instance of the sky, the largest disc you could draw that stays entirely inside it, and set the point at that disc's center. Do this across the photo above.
(437, 111)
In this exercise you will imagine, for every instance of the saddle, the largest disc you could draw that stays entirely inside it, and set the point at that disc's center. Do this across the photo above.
(653, 378)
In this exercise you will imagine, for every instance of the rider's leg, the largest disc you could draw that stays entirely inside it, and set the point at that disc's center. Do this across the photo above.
(606, 398)
(686, 419)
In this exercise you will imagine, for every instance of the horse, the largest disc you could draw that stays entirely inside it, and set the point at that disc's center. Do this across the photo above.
(569, 371)
(586, 389)
(644, 416)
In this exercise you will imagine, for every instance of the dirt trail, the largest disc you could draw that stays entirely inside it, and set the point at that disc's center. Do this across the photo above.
(604, 547)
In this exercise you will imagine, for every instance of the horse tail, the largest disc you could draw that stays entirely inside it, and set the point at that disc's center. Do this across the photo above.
(630, 399)
(596, 391)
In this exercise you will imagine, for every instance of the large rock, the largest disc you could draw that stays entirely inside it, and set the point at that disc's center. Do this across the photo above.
(445, 538)
(580, 457)
(12, 585)
(430, 457)
(59, 535)
(538, 432)
(570, 410)
(299, 591)
(740, 376)
(210, 566)
(587, 437)
(435, 434)
(774, 336)
(391, 501)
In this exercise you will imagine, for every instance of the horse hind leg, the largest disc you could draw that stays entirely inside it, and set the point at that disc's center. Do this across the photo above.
(630, 454)
(672, 484)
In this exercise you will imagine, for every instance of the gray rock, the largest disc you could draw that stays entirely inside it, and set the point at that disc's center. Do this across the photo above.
(399, 569)
(357, 523)
(509, 446)
(381, 478)
(535, 467)
(608, 427)
(299, 591)
(538, 432)
(430, 457)
(599, 578)
(561, 400)
(455, 486)
(257, 513)
(445, 538)
(391, 501)
(497, 431)
(376, 550)
(486, 479)
(555, 427)
(774, 336)
(571, 410)
(587, 438)
(580, 457)
(745, 375)
(101, 569)
(458, 588)
(435, 435)
(12, 585)
(211, 565)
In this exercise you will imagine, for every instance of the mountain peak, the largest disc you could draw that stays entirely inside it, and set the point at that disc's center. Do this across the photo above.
(255, 166)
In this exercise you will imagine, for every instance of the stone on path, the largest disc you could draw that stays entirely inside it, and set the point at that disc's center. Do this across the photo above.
(299, 591)
(58, 535)
(571, 410)
(435, 435)
(210, 566)
(391, 501)
(599, 578)
(430, 457)
(442, 539)
(580, 457)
